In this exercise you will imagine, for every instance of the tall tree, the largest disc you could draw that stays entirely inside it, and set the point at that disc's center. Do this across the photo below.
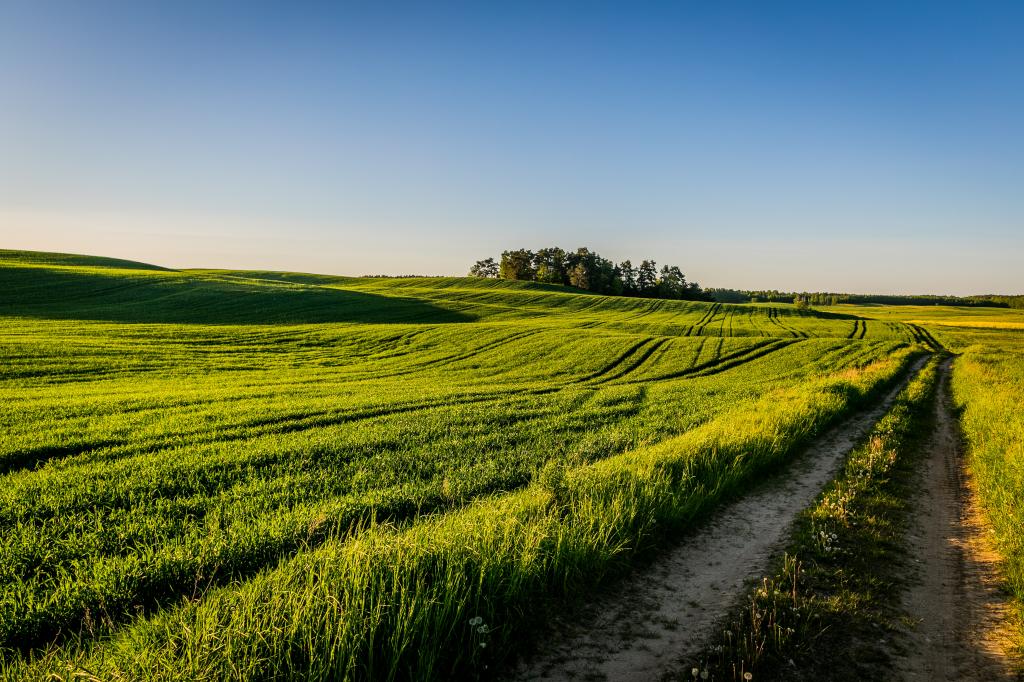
(587, 270)
(484, 268)
(579, 276)
(672, 283)
(628, 275)
(517, 264)
(616, 287)
(550, 266)
(580, 266)
(647, 278)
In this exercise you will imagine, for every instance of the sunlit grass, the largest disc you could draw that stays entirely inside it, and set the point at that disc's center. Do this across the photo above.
(214, 474)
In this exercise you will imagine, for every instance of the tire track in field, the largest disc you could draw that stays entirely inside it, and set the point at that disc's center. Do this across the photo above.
(489, 346)
(699, 324)
(660, 614)
(456, 357)
(961, 616)
(727, 361)
(632, 365)
(924, 337)
(929, 339)
(610, 367)
(156, 584)
(706, 320)
(915, 333)
(105, 450)
(773, 316)
(115, 448)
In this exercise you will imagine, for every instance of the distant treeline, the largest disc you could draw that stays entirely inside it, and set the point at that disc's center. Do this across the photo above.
(400, 276)
(585, 269)
(828, 298)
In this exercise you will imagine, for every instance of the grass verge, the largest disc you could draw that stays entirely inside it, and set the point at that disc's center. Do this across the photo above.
(987, 384)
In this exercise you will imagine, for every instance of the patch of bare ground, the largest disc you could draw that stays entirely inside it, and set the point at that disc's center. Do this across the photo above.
(958, 612)
(667, 610)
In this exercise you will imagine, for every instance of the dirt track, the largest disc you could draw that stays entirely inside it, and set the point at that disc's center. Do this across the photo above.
(668, 609)
(955, 600)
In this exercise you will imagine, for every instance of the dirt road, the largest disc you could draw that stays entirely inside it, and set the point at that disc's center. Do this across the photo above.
(955, 601)
(668, 609)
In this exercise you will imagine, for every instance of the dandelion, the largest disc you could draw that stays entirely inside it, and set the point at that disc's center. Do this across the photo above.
(695, 672)
(483, 645)
(475, 621)
(483, 629)
(748, 676)
(704, 675)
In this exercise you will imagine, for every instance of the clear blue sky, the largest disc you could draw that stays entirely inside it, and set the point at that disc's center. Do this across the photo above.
(819, 146)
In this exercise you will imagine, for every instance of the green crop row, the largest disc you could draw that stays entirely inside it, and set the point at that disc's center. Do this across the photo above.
(173, 441)
(131, 502)
(394, 602)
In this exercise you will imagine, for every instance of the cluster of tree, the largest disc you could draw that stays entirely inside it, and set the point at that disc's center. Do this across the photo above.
(727, 295)
(585, 269)
(802, 298)
(805, 299)
(998, 301)
(400, 276)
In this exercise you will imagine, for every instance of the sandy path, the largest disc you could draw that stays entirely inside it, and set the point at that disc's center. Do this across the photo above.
(955, 599)
(667, 610)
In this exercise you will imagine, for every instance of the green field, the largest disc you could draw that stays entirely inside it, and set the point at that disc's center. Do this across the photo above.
(253, 475)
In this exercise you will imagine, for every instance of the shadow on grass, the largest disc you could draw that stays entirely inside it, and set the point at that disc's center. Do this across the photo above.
(155, 297)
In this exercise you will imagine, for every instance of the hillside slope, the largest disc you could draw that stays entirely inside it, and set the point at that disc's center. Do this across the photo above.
(55, 286)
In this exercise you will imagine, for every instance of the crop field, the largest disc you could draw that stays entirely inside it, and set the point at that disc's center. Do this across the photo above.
(255, 475)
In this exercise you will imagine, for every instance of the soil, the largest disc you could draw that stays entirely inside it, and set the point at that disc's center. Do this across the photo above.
(959, 615)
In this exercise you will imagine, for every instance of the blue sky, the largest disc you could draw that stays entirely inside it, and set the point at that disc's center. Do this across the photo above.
(819, 146)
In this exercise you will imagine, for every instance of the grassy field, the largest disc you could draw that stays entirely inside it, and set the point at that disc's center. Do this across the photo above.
(252, 475)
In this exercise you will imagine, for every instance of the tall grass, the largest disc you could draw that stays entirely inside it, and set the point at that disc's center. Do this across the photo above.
(837, 587)
(988, 385)
(396, 603)
(219, 474)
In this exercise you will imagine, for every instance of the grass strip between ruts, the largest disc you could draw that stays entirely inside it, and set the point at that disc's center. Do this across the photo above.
(837, 588)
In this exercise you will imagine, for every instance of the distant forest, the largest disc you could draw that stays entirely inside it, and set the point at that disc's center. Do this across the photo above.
(585, 269)
(826, 298)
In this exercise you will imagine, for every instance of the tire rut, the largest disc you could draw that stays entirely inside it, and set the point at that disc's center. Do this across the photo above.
(661, 613)
(633, 365)
(727, 361)
(955, 602)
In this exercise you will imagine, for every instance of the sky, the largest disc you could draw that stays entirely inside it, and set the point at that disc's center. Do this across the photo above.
(857, 147)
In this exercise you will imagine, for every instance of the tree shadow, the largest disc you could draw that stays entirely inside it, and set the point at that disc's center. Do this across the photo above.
(172, 297)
